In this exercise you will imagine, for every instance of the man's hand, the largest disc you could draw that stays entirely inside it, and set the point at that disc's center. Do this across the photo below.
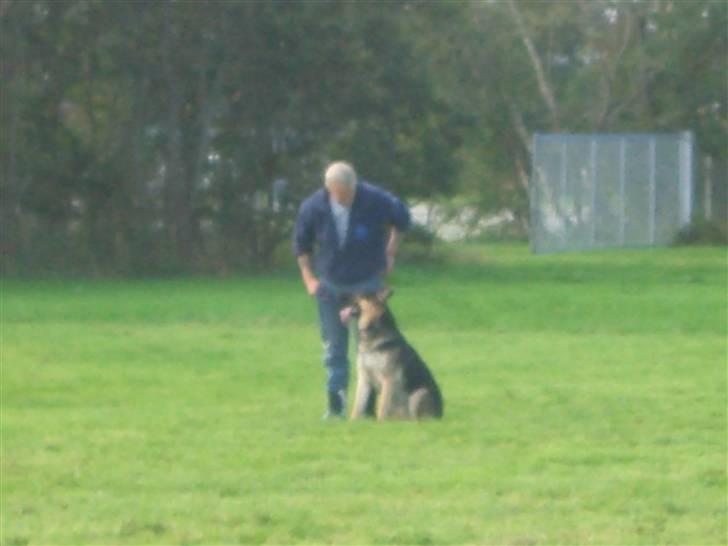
(345, 314)
(307, 274)
(312, 286)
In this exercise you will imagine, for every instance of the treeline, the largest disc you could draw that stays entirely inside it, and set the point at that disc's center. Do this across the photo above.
(158, 137)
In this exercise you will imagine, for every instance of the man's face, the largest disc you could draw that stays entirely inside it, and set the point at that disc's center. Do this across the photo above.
(344, 195)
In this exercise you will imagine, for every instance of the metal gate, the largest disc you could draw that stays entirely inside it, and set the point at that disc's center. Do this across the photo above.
(608, 191)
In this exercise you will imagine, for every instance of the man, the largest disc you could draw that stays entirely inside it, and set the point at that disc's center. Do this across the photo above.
(352, 230)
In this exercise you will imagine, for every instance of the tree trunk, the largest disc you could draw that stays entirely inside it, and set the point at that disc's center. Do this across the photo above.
(11, 242)
(174, 208)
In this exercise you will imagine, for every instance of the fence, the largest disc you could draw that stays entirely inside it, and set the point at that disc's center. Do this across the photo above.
(601, 191)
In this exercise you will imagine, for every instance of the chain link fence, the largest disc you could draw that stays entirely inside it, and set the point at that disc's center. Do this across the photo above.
(608, 191)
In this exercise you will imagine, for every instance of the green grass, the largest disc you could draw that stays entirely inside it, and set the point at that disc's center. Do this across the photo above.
(585, 404)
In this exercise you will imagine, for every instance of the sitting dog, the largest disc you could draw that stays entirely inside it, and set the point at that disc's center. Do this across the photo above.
(388, 366)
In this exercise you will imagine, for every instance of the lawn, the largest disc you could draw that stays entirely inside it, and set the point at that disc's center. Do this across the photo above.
(585, 404)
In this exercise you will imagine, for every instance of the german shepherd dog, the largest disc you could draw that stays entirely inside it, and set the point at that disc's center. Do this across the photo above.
(388, 367)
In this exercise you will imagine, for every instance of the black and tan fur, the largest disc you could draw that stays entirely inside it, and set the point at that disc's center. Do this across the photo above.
(388, 366)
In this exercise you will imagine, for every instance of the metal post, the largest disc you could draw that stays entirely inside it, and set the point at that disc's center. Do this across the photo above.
(535, 225)
(653, 193)
(562, 196)
(686, 178)
(593, 168)
(622, 188)
(708, 194)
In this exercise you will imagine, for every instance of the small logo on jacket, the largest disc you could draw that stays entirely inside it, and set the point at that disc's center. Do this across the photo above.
(360, 232)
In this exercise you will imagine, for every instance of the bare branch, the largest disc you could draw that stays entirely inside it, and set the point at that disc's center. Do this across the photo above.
(520, 127)
(522, 174)
(610, 74)
(543, 83)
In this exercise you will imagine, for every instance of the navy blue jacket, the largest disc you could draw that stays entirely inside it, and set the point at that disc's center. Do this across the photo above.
(362, 257)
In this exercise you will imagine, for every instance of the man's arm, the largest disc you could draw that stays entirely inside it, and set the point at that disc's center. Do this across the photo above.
(307, 274)
(303, 245)
(399, 221)
(395, 236)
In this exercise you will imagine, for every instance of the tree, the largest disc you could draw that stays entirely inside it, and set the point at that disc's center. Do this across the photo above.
(522, 67)
(146, 137)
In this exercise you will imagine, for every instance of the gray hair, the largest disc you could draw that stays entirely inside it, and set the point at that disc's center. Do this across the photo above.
(340, 173)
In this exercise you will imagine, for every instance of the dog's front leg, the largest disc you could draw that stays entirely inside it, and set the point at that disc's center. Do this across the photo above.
(385, 398)
(363, 390)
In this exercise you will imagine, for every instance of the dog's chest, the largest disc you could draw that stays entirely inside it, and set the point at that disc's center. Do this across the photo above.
(375, 361)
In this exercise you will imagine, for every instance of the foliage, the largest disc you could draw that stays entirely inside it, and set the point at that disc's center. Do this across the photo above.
(703, 233)
(146, 137)
(603, 66)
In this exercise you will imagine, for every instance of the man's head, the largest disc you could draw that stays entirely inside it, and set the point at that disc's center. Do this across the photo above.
(340, 181)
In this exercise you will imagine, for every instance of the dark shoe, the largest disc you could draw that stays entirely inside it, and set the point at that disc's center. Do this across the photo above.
(328, 416)
(337, 405)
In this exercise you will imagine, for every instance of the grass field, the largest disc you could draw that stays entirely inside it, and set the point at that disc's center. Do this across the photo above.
(585, 404)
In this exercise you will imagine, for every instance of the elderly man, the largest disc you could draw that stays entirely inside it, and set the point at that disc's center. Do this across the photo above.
(351, 230)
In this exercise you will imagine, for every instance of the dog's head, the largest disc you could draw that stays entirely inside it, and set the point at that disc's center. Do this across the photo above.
(368, 309)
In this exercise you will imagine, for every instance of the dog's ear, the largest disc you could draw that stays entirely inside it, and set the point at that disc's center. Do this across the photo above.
(384, 294)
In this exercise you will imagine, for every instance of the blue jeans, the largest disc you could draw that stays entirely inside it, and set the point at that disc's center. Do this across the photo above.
(334, 334)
